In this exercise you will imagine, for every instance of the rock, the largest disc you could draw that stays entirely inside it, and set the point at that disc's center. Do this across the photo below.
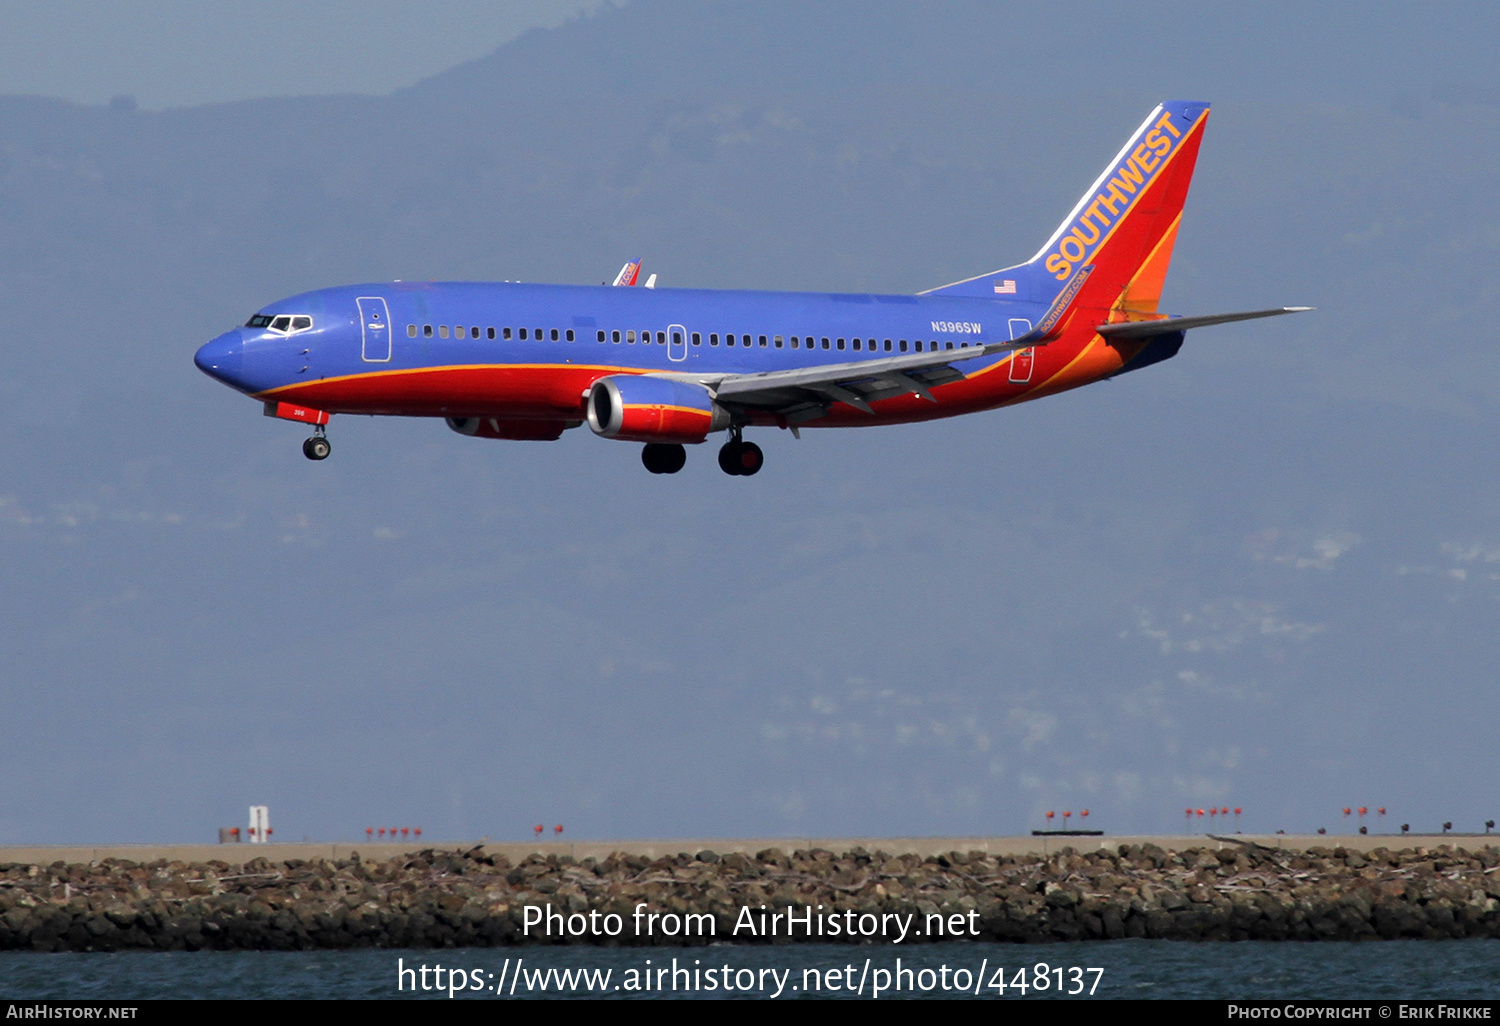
(441, 898)
(1061, 897)
(1172, 901)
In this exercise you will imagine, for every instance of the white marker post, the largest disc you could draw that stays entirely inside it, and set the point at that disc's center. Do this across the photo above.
(260, 824)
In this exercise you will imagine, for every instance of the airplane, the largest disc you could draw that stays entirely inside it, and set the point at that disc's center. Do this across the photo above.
(667, 368)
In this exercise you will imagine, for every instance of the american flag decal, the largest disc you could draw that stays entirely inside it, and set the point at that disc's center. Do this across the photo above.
(1005, 288)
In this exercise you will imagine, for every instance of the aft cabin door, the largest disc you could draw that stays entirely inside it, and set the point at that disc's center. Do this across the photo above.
(1021, 360)
(375, 327)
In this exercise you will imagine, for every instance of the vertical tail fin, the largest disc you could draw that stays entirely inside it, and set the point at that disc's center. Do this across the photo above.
(1112, 251)
(628, 273)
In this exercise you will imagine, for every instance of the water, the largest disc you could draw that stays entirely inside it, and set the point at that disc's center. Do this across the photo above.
(1393, 970)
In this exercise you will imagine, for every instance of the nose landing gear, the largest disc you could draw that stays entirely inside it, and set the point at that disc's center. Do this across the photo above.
(317, 447)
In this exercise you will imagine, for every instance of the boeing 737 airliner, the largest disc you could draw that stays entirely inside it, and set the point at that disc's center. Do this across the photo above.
(668, 367)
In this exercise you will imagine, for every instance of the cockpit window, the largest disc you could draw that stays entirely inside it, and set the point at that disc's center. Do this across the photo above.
(287, 323)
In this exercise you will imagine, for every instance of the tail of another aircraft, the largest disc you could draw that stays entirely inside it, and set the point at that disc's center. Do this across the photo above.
(1110, 254)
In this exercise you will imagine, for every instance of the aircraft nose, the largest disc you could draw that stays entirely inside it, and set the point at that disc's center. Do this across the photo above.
(223, 357)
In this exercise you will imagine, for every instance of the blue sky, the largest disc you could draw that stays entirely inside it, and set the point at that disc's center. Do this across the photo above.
(1264, 574)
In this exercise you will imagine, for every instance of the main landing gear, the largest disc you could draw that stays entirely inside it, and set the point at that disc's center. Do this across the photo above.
(317, 447)
(739, 458)
(663, 458)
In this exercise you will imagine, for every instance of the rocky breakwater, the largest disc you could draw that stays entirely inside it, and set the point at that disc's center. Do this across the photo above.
(443, 899)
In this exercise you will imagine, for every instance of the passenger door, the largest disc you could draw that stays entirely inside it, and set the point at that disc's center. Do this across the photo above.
(375, 329)
(1022, 360)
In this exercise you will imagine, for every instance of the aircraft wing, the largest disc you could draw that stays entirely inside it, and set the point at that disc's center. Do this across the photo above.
(1135, 330)
(806, 392)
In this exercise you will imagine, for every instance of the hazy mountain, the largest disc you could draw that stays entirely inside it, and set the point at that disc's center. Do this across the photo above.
(1264, 574)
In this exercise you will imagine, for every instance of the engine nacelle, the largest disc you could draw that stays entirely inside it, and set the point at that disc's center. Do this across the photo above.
(640, 408)
(511, 430)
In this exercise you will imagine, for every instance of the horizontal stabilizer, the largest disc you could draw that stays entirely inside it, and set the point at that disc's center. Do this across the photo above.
(1130, 331)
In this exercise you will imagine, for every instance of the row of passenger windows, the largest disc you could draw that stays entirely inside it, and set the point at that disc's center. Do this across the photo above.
(630, 337)
(460, 331)
(795, 342)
